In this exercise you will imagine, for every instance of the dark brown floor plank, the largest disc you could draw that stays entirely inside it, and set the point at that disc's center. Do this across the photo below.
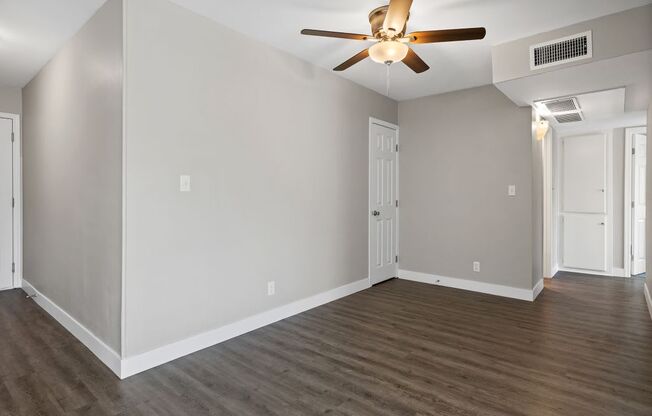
(400, 348)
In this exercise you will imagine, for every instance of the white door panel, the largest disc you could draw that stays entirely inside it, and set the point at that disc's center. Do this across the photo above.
(584, 242)
(382, 202)
(638, 199)
(584, 174)
(584, 214)
(6, 212)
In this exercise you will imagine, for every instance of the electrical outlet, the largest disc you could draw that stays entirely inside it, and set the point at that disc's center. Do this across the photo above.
(476, 266)
(271, 288)
(511, 190)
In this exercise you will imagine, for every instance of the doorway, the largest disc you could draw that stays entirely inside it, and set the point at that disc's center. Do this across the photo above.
(635, 170)
(585, 212)
(383, 201)
(10, 205)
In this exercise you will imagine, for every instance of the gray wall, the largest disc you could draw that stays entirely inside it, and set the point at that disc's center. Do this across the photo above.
(614, 35)
(459, 153)
(10, 100)
(72, 163)
(277, 150)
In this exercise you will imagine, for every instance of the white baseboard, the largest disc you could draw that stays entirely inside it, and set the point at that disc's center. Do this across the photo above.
(538, 288)
(648, 298)
(554, 271)
(138, 363)
(102, 351)
(618, 271)
(615, 272)
(472, 285)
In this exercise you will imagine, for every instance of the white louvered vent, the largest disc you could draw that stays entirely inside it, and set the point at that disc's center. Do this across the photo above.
(563, 105)
(564, 110)
(568, 117)
(561, 51)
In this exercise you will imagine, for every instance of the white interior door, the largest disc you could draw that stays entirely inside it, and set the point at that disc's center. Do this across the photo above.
(639, 142)
(383, 201)
(6, 210)
(584, 202)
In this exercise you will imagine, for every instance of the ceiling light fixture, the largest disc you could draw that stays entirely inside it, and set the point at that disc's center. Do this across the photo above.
(388, 51)
(389, 30)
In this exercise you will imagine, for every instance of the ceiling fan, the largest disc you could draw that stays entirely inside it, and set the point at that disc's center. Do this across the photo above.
(388, 25)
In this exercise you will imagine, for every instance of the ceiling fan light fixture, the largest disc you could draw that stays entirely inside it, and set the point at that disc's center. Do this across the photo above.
(388, 51)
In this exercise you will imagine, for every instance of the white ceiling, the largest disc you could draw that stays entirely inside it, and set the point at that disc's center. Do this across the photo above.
(595, 106)
(31, 31)
(453, 66)
(602, 110)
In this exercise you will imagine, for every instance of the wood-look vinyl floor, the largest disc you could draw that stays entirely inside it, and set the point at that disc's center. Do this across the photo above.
(400, 348)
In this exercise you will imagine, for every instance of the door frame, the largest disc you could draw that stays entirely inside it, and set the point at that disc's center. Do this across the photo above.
(609, 243)
(627, 197)
(17, 190)
(395, 127)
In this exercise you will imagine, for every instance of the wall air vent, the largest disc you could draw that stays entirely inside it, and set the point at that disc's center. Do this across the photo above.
(564, 110)
(561, 51)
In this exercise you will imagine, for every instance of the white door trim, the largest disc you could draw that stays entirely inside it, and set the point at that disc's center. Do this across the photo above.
(627, 199)
(550, 265)
(18, 199)
(392, 126)
(609, 243)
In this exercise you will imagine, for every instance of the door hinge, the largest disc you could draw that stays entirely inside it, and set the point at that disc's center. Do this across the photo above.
(633, 150)
(396, 259)
(397, 203)
(397, 147)
(13, 202)
(13, 267)
(12, 136)
(632, 204)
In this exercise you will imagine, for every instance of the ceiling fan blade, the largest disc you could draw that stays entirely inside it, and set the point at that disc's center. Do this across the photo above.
(330, 34)
(415, 63)
(397, 15)
(448, 35)
(352, 61)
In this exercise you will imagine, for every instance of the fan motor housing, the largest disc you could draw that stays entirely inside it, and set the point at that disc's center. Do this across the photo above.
(377, 18)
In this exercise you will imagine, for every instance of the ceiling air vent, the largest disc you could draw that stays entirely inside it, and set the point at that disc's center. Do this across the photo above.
(568, 118)
(561, 51)
(564, 110)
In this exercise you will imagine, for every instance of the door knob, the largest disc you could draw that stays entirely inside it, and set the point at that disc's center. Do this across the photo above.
(375, 213)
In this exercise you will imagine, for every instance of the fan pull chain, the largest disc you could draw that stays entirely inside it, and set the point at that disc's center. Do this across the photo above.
(387, 82)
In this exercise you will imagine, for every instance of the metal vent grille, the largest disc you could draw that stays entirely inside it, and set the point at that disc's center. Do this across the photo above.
(561, 51)
(561, 106)
(568, 117)
(564, 110)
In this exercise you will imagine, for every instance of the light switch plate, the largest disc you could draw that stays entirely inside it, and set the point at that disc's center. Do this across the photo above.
(511, 190)
(476, 266)
(271, 288)
(184, 183)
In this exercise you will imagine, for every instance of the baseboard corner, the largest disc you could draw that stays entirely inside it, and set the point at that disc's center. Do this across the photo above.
(538, 288)
(144, 361)
(103, 352)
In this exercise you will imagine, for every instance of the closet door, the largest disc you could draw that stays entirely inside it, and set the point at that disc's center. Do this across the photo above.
(584, 202)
